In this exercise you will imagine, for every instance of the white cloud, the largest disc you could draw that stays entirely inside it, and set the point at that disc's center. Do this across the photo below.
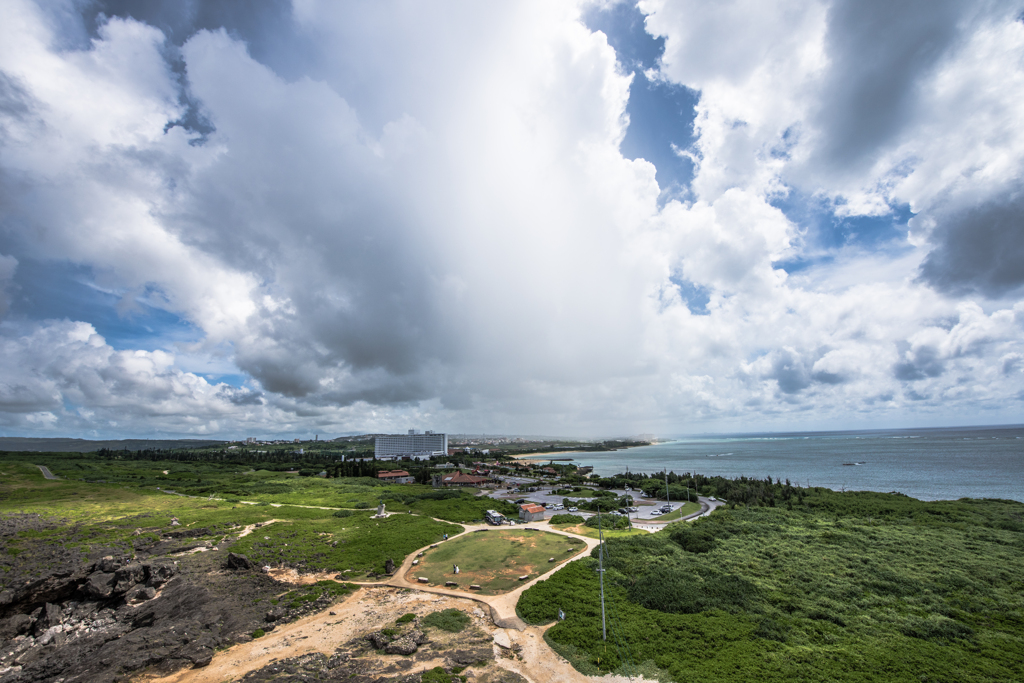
(434, 227)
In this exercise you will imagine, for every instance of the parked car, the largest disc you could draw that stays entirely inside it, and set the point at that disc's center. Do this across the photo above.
(622, 511)
(657, 513)
(520, 501)
(633, 509)
(574, 509)
(712, 498)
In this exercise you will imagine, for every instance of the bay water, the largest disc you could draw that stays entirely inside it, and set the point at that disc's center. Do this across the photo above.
(927, 464)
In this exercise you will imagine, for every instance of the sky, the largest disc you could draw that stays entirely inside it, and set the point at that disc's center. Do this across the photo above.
(584, 218)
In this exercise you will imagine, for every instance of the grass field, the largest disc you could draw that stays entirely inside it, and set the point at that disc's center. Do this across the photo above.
(102, 518)
(495, 560)
(593, 533)
(687, 509)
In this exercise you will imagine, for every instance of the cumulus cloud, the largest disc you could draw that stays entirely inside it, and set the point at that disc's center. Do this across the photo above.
(422, 218)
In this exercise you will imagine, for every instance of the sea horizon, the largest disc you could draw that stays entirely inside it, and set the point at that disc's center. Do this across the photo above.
(929, 463)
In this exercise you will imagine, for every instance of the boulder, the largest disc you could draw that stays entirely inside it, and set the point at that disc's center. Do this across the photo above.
(128, 576)
(276, 613)
(140, 594)
(108, 564)
(15, 625)
(502, 640)
(100, 585)
(401, 646)
(236, 561)
(159, 573)
(51, 615)
(378, 640)
(389, 566)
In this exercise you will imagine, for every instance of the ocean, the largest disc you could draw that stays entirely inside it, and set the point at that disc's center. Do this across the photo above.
(928, 464)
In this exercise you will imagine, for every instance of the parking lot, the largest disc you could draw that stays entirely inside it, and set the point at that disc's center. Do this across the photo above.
(646, 507)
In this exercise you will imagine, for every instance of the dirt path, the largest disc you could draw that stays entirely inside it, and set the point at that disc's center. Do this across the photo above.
(365, 610)
(378, 604)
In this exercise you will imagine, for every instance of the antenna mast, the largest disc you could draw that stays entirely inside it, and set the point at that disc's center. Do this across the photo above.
(600, 571)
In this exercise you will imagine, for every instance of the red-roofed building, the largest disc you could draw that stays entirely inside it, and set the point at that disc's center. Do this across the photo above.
(531, 512)
(460, 479)
(396, 477)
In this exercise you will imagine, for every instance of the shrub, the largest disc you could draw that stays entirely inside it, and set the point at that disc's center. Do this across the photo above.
(343, 513)
(258, 633)
(693, 539)
(608, 522)
(566, 519)
(452, 620)
(405, 618)
(362, 505)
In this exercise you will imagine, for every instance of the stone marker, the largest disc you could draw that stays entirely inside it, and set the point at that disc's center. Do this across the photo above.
(434, 545)
(423, 579)
(474, 587)
(451, 583)
(415, 562)
(551, 559)
(524, 577)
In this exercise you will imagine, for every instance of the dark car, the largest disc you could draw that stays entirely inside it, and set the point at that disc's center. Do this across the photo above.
(520, 501)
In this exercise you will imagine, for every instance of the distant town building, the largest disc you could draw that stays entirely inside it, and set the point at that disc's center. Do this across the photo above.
(415, 446)
(396, 477)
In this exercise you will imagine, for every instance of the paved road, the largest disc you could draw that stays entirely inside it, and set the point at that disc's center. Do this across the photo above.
(47, 474)
(642, 519)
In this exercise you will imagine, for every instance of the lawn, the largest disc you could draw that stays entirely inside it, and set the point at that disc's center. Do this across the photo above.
(102, 518)
(495, 560)
(593, 533)
(687, 508)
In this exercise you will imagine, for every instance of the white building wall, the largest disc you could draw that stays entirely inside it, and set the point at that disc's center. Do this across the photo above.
(420, 446)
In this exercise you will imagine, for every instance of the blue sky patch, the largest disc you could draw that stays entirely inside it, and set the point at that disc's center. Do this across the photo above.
(661, 114)
(56, 290)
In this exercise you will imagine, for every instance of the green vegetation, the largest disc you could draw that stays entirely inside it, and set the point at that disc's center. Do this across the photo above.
(565, 519)
(451, 620)
(682, 511)
(495, 560)
(99, 519)
(258, 633)
(845, 587)
(357, 543)
(608, 522)
(406, 618)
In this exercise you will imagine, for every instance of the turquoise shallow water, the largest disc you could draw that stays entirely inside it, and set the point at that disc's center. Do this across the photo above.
(929, 464)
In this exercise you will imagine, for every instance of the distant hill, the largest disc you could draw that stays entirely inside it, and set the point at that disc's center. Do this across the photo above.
(86, 446)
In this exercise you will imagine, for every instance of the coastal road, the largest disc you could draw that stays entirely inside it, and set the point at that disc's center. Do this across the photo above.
(47, 474)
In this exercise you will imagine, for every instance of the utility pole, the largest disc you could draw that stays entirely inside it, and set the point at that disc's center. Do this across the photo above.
(600, 571)
(668, 499)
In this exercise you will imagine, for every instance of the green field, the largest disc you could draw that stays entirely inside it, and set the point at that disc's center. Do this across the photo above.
(496, 559)
(94, 518)
(687, 508)
(590, 532)
(845, 587)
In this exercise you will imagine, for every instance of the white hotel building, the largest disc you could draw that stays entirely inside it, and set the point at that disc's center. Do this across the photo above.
(411, 445)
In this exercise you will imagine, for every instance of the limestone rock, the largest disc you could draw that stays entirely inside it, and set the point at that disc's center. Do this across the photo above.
(127, 576)
(236, 561)
(100, 585)
(502, 640)
(401, 646)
